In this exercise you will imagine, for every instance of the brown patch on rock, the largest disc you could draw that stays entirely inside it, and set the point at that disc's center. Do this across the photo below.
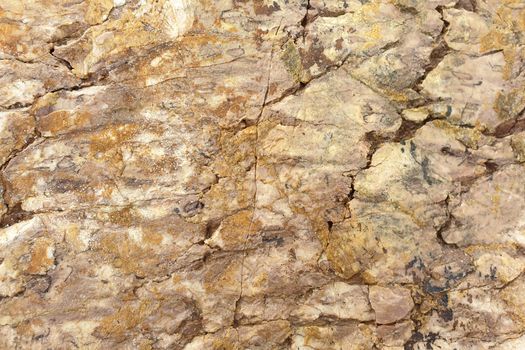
(42, 256)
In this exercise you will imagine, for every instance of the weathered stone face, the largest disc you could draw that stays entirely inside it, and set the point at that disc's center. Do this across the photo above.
(390, 304)
(259, 174)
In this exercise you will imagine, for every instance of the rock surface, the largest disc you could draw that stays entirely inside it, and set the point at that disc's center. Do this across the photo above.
(288, 174)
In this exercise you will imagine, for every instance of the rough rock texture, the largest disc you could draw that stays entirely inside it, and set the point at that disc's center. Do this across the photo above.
(260, 174)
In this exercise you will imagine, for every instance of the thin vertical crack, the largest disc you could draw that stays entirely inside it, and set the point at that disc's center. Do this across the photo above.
(439, 52)
(255, 170)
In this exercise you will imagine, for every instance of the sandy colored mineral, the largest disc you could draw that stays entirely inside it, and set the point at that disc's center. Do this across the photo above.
(262, 174)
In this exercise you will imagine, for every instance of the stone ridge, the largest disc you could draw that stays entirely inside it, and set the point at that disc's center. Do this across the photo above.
(262, 174)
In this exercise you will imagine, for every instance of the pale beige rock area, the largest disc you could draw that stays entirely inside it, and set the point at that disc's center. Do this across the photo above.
(262, 174)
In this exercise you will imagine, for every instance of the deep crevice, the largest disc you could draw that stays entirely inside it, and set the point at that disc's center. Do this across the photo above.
(14, 215)
(211, 227)
(438, 52)
(61, 60)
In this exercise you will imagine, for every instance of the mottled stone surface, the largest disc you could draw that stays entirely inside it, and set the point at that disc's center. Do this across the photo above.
(260, 174)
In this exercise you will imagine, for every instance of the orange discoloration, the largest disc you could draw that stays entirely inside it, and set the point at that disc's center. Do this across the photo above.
(22, 185)
(199, 40)
(152, 236)
(508, 20)
(509, 104)
(234, 105)
(72, 236)
(17, 131)
(311, 333)
(136, 257)
(122, 217)
(42, 256)
(112, 136)
(228, 341)
(346, 245)
(97, 10)
(125, 319)
(59, 122)
(10, 36)
(224, 344)
(128, 256)
(237, 228)
(28, 328)
(227, 278)
(492, 41)
(261, 280)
